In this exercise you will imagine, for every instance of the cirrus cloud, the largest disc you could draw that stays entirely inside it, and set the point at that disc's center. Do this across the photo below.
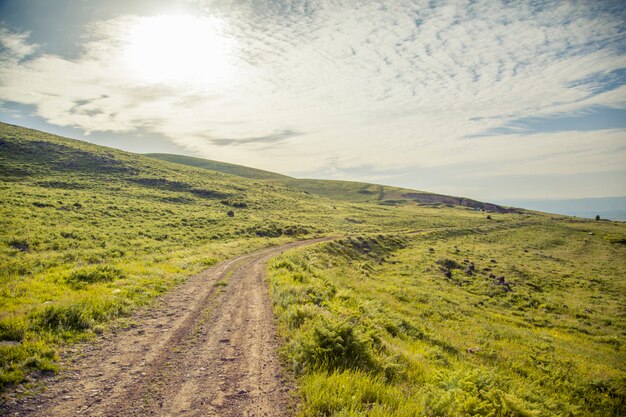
(407, 84)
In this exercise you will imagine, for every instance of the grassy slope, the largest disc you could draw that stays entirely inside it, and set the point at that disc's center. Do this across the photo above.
(349, 190)
(233, 169)
(337, 190)
(88, 233)
(372, 324)
(374, 327)
(356, 192)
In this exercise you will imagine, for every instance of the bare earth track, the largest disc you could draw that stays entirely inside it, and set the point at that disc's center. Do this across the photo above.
(207, 349)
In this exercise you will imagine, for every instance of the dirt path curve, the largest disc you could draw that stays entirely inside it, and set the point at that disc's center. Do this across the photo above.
(207, 349)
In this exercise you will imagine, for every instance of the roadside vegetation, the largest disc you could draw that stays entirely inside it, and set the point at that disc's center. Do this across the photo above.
(513, 320)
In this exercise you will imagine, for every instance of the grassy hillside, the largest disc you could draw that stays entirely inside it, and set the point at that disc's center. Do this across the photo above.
(89, 233)
(233, 169)
(506, 320)
(356, 192)
(337, 190)
(420, 309)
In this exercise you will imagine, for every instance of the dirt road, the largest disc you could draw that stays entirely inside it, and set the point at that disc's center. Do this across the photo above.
(207, 349)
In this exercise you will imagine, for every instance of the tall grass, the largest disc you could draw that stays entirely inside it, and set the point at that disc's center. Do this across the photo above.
(375, 326)
(88, 234)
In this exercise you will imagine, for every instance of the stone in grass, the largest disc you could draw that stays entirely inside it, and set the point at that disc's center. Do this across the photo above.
(502, 282)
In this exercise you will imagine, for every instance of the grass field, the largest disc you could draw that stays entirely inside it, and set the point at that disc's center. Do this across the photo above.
(388, 320)
(393, 325)
(90, 233)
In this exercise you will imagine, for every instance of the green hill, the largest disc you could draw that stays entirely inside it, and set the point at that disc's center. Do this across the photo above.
(422, 306)
(88, 233)
(233, 169)
(336, 189)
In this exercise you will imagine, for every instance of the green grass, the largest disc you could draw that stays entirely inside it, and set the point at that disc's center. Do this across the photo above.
(337, 190)
(88, 234)
(373, 326)
(390, 320)
(233, 169)
(351, 191)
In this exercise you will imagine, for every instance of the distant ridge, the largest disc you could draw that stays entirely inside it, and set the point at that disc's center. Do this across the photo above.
(458, 201)
(339, 190)
(239, 170)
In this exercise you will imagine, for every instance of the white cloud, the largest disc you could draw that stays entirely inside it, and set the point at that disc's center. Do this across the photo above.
(15, 45)
(365, 83)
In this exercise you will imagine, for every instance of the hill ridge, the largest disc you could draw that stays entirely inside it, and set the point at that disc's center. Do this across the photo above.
(226, 167)
(338, 189)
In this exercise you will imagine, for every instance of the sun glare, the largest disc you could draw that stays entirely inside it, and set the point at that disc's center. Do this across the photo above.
(179, 49)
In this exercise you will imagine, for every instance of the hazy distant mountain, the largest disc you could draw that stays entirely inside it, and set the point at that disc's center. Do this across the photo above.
(613, 208)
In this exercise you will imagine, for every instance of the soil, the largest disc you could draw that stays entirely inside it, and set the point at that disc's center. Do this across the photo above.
(209, 348)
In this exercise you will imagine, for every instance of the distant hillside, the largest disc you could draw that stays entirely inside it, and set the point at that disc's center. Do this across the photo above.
(338, 190)
(457, 201)
(233, 169)
(341, 190)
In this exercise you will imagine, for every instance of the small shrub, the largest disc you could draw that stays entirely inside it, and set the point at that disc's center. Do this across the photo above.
(65, 317)
(41, 364)
(297, 315)
(208, 261)
(19, 244)
(95, 274)
(333, 345)
(69, 235)
(81, 314)
(285, 264)
(12, 329)
(449, 264)
(354, 393)
(235, 203)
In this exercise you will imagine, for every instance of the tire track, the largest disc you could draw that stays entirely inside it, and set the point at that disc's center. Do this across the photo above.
(208, 349)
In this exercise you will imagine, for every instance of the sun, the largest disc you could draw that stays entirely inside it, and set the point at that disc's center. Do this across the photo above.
(179, 49)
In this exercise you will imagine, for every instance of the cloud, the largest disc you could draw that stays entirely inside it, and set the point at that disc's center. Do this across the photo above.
(15, 46)
(369, 84)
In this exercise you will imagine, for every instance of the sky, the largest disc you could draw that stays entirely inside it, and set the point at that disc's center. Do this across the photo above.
(485, 99)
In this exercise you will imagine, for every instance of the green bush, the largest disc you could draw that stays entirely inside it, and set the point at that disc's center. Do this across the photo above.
(332, 345)
(94, 274)
(12, 329)
(354, 393)
(297, 315)
(80, 314)
(18, 359)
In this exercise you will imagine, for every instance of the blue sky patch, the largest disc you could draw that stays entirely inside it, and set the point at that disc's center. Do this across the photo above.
(591, 119)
